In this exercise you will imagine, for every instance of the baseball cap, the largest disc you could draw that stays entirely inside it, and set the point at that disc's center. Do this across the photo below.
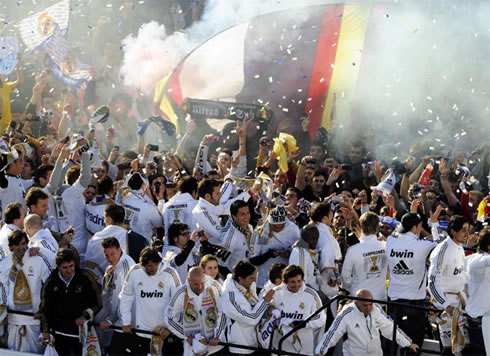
(409, 220)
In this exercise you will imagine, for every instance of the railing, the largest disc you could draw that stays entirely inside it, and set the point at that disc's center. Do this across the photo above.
(341, 297)
(300, 325)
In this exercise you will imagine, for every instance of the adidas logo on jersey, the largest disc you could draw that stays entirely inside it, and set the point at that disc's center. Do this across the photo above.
(402, 268)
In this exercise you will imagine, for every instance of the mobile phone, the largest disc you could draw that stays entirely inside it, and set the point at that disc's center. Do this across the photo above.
(116, 148)
(65, 140)
(337, 199)
(200, 233)
(154, 148)
(123, 166)
(346, 167)
(266, 142)
(157, 187)
(311, 161)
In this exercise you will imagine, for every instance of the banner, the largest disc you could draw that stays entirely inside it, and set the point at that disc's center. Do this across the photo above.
(209, 109)
(9, 47)
(65, 66)
(36, 29)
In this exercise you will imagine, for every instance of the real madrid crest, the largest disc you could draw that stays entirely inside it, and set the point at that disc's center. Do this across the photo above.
(301, 305)
(211, 317)
(160, 284)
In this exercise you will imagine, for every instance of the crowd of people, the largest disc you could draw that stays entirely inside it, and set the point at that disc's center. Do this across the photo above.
(152, 239)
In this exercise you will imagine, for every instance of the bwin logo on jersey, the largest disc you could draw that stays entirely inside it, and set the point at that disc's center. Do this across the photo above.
(458, 271)
(294, 315)
(401, 254)
(155, 294)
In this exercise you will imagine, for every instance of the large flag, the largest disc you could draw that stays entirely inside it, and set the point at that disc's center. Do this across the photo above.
(294, 61)
(38, 28)
(65, 66)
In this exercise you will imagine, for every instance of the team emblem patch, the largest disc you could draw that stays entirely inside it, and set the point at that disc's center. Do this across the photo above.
(160, 284)
(301, 305)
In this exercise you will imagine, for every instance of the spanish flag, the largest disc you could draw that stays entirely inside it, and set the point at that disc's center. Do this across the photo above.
(294, 61)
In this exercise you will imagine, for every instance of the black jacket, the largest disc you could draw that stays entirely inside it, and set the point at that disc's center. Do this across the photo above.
(62, 305)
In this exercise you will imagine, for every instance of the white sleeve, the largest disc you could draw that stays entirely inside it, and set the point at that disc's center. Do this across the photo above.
(347, 269)
(334, 333)
(241, 311)
(437, 266)
(155, 217)
(224, 209)
(126, 298)
(318, 320)
(173, 318)
(481, 262)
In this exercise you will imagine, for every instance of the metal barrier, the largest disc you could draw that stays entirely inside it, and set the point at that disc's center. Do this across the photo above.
(300, 325)
(340, 297)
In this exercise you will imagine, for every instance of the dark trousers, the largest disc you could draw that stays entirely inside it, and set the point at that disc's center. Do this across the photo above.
(476, 346)
(67, 346)
(410, 320)
(131, 344)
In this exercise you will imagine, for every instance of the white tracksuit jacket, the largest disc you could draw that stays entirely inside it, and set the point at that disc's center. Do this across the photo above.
(95, 261)
(309, 264)
(365, 267)
(299, 306)
(407, 256)
(94, 214)
(175, 310)
(363, 332)
(151, 295)
(48, 246)
(206, 216)
(235, 242)
(477, 267)
(141, 213)
(178, 208)
(446, 272)
(110, 295)
(328, 246)
(170, 252)
(242, 318)
(264, 239)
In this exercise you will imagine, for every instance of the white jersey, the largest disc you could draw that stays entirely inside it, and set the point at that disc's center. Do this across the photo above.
(171, 252)
(73, 207)
(206, 216)
(242, 314)
(141, 214)
(308, 261)
(365, 267)
(446, 271)
(179, 207)
(15, 192)
(94, 214)
(95, 262)
(36, 270)
(48, 246)
(477, 267)
(174, 317)
(265, 239)
(237, 241)
(5, 231)
(295, 307)
(407, 256)
(150, 295)
(112, 288)
(363, 332)
(328, 246)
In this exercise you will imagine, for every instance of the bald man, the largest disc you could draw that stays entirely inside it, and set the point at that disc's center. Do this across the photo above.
(362, 321)
(194, 313)
(42, 238)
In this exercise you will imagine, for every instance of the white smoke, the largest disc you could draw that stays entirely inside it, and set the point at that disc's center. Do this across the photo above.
(150, 55)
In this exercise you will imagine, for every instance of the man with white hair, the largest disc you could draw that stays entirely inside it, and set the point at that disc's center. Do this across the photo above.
(362, 321)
